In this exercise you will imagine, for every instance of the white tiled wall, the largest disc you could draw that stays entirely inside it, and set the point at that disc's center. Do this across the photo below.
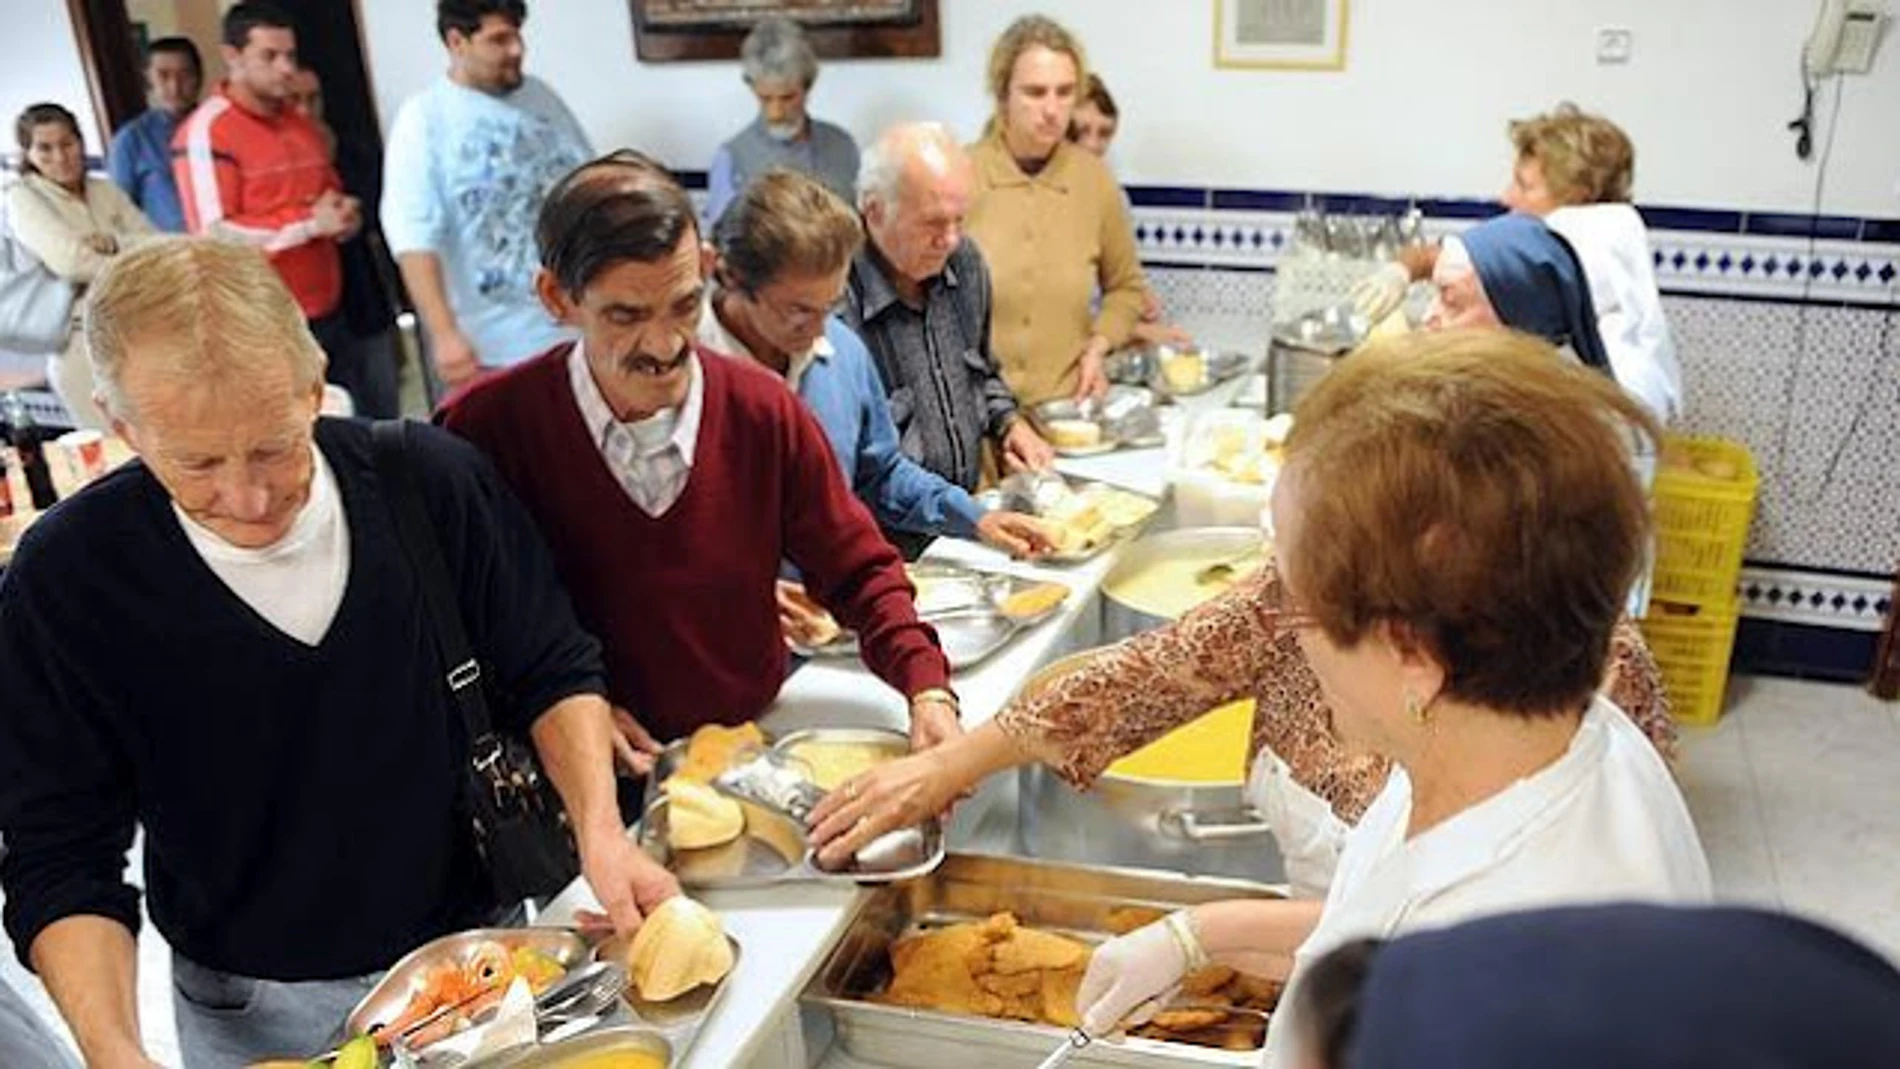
(1813, 390)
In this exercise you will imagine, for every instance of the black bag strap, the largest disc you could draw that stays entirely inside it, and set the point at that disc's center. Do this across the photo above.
(390, 438)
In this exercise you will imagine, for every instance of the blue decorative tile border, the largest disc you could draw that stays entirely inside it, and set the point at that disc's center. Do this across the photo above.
(1822, 259)
(1803, 596)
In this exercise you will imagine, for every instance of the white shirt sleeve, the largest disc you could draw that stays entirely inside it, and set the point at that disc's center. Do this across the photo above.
(412, 213)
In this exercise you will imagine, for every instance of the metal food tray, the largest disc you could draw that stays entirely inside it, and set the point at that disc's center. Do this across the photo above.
(404, 980)
(1219, 366)
(773, 849)
(1126, 416)
(969, 622)
(1121, 534)
(1031, 493)
(1076, 900)
(666, 1029)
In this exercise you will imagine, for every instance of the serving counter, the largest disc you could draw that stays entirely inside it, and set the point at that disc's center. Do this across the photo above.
(787, 930)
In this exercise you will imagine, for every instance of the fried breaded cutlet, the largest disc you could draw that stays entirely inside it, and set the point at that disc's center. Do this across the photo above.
(992, 968)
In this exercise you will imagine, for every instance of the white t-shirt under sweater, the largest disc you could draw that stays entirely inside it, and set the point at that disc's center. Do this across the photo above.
(296, 584)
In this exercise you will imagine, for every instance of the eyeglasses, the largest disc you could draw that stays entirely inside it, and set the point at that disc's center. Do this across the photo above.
(797, 314)
(1283, 615)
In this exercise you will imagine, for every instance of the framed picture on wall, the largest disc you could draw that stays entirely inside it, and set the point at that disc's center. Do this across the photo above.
(1305, 35)
(665, 31)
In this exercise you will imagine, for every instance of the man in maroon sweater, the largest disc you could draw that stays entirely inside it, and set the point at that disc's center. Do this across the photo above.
(671, 483)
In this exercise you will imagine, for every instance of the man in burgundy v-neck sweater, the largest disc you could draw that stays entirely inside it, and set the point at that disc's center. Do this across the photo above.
(670, 484)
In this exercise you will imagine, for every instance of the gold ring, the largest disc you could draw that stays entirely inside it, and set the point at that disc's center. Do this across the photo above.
(862, 821)
(851, 790)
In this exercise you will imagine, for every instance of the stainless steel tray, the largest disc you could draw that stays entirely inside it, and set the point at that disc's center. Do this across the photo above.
(1219, 366)
(1073, 899)
(1126, 416)
(773, 847)
(964, 606)
(892, 744)
(1037, 493)
(772, 850)
(405, 979)
(664, 1029)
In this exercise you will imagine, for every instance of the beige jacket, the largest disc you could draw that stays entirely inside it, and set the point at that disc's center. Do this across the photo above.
(54, 223)
(1051, 241)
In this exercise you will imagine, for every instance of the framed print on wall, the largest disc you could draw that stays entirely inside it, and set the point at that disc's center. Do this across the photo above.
(673, 30)
(1280, 34)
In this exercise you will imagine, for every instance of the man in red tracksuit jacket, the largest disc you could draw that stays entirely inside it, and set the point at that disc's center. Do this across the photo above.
(252, 168)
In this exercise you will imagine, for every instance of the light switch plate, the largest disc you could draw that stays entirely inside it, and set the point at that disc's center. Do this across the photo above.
(1614, 44)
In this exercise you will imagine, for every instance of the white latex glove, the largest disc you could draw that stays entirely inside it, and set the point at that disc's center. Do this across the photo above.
(1130, 978)
(1380, 293)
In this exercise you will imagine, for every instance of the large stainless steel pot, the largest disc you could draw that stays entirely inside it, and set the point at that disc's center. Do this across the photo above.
(1304, 350)
(1203, 545)
(1177, 825)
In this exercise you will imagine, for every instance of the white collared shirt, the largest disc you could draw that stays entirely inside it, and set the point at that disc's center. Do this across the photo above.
(296, 584)
(1613, 248)
(650, 458)
(714, 335)
(1604, 823)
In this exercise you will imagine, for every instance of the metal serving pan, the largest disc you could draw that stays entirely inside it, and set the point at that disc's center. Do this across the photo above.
(1076, 900)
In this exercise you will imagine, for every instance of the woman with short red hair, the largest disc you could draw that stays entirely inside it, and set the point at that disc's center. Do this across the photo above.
(1456, 527)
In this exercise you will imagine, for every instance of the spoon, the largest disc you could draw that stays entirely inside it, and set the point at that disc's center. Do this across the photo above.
(1225, 571)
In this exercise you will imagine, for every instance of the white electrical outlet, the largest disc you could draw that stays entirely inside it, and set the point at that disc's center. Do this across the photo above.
(1614, 44)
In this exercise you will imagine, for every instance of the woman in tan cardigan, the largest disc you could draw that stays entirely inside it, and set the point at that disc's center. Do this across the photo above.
(1051, 222)
(74, 224)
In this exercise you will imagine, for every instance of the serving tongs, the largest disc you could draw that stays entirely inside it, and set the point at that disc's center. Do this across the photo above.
(1076, 1039)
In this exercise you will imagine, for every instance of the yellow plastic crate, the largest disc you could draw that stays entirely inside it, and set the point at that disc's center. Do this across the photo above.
(1692, 644)
(1704, 499)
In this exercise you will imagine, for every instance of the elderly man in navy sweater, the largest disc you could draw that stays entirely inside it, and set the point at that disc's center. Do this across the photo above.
(224, 643)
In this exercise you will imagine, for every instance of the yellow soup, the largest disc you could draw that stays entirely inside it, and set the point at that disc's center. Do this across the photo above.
(1169, 588)
(615, 1059)
(1212, 749)
(832, 763)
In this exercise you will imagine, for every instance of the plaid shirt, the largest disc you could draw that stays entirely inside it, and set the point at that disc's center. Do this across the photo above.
(947, 393)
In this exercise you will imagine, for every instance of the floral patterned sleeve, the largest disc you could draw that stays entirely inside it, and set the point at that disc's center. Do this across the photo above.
(1142, 688)
(1634, 682)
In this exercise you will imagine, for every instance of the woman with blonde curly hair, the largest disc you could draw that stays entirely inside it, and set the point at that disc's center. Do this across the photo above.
(1574, 171)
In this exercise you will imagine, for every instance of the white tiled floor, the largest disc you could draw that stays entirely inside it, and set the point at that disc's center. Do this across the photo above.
(1797, 796)
(1796, 793)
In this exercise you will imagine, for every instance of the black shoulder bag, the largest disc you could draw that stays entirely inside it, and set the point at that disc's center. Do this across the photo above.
(521, 829)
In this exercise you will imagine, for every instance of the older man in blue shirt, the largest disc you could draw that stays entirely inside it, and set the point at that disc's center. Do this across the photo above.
(785, 246)
(140, 156)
